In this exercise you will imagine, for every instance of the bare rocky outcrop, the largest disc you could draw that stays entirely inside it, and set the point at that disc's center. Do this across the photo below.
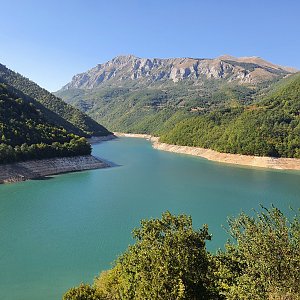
(121, 69)
(21, 171)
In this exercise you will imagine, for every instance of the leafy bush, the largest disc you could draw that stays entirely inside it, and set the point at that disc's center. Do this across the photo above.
(263, 260)
(83, 292)
(169, 261)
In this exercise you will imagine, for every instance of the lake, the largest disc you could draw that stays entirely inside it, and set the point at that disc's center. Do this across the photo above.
(59, 232)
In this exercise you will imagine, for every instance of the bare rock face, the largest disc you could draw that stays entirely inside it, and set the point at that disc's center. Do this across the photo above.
(251, 70)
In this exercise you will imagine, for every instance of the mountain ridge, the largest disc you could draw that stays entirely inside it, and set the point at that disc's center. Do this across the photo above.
(249, 70)
(57, 111)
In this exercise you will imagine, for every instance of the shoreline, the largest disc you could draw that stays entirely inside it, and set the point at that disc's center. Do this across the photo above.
(135, 135)
(98, 139)
(33, 169)
(280, 163)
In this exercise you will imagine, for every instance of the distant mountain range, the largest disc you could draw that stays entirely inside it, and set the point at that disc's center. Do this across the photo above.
(121, 69)
(146, 95)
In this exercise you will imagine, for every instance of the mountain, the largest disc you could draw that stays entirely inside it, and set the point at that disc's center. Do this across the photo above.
(55, 110)
(147, 71)
(26, 134)
(151, 95)
(270, 127)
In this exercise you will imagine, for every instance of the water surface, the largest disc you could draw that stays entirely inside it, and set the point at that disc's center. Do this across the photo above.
(59, 232)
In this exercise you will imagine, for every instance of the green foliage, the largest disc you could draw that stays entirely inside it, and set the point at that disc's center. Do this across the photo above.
(110, 283)
(55, 110)
(148, 109)
(264, 260)
(26, 134)
(169, 261)
(83, 292)
(269, 128)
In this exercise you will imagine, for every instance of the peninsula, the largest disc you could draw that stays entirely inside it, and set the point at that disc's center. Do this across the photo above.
(40, 135)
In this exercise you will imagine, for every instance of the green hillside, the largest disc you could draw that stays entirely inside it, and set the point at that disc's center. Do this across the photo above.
(26, 134)
(269, 128)
(148, 109)
(55, 110)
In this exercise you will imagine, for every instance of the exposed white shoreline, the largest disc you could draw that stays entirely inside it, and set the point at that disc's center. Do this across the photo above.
(228, 158)
(98, 139)
(135, 135)
(31, 169)
(21, 171)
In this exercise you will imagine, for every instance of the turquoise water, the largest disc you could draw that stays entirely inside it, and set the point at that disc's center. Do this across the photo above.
(59, 232)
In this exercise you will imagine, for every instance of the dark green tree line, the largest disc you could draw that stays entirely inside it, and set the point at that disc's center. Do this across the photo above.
(56, 111)
(25, 133)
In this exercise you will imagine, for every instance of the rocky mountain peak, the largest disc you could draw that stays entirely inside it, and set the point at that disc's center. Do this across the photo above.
(124, 58)
(125, 68)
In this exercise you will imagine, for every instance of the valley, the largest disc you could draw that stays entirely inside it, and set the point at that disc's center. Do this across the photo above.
(232, 105)
(149, 150)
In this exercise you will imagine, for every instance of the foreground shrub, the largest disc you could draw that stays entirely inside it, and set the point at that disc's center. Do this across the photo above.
(169, 261)
(263, 262)
(82, 292)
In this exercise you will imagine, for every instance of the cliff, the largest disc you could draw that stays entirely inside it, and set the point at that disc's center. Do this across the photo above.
(120, 69)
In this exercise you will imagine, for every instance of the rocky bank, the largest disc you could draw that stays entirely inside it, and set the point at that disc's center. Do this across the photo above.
(237, 159)
(21, 171)
(99, 139)
(228, 158)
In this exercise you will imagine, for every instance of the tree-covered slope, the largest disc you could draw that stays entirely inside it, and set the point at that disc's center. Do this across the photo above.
(55, 110)
(268, 128)
(26, 134)
(128, 109)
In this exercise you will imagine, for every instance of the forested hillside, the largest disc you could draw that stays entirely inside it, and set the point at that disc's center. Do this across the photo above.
(270, 127)
(55, 110)
(26, 134)
(151, 109)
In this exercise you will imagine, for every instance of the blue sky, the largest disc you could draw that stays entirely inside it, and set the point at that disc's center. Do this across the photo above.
(50, 41)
